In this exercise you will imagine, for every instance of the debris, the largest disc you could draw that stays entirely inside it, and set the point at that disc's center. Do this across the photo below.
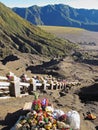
(89, 116)
(43, 116)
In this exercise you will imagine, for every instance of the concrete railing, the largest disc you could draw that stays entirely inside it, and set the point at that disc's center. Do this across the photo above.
(14, 86)
(4, 86)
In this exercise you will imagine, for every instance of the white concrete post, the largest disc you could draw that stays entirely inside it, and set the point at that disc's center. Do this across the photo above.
(60, 85)
(33, 84)
(57, 85)
(51, 84)
(15, 87)
(44, 84)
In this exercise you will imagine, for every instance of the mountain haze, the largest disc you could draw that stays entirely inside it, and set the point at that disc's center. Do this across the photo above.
(60, 15)
(18, 35)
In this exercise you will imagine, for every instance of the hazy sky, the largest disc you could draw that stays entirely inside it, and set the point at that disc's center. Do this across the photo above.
(88, 4)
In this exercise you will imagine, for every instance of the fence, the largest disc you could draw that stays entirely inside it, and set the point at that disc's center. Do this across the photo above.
(15, 87)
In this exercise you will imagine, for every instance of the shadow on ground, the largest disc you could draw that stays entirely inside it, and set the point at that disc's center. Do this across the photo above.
(89, 93)
(96, 127)
(91, 62)
(11, 119)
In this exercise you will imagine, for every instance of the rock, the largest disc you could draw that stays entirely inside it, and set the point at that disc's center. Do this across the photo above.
(62, 94)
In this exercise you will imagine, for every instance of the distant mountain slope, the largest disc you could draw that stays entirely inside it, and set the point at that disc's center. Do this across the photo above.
(18, 35)
(60, 15)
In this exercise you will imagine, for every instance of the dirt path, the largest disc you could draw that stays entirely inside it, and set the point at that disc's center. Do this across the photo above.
(11, 109)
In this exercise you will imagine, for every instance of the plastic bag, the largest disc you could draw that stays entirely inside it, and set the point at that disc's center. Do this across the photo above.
(57, 113)
(44, 102)
(49, 109)
(73, 119)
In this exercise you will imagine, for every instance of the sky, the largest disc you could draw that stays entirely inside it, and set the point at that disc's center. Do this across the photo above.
(87, 4)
